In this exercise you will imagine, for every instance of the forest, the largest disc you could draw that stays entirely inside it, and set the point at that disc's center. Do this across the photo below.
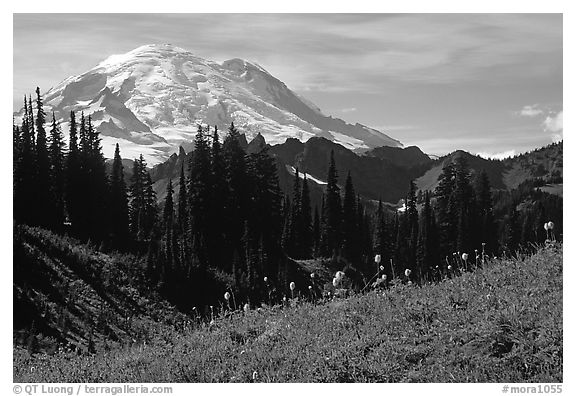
(230, 228)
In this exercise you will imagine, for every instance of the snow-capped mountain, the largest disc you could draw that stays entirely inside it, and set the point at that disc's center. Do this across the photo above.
(151, 99)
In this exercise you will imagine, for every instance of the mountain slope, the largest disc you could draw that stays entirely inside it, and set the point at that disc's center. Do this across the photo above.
(151, 99)
(544, 163)
(500, 323)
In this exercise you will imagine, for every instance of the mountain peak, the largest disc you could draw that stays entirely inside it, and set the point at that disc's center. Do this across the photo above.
(150, 100)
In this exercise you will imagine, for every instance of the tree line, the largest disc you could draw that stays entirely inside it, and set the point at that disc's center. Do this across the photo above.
(225, 224)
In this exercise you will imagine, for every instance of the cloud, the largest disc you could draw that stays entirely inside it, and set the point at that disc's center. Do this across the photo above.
(499, 156)
(554, 124)
(348, 110)
(531, 111)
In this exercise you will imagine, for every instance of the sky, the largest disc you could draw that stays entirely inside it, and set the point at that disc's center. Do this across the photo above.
(485, 83)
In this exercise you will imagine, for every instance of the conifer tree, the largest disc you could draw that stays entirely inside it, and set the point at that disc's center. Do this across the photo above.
(182, 204)
(486, 225)
(332, 213)
(238, 187)
(118, 209)
(25, 173)
(200, 194)
(168, 224)
(57, 169)
(219, 192)
(73, 177)
(349, 221)
(45, 205)
(424, 250)
(306, 233)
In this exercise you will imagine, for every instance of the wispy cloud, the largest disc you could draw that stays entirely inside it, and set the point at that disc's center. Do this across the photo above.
(348, 110)
(531, 111)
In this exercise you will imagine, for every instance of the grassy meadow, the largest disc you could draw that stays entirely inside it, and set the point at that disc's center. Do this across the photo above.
(501, 323)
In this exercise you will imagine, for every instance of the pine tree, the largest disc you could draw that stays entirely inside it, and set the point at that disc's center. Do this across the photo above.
(412, 226)
(424, 251)
(45, 202)
(118, 209)
(57, 169)
(25, 174)
(486, 224)
(305, 234)
(292, 247)
(349, 221)
(169, 228)
(332, 213)
(97, 188)
(219, 192)
(142, 202)
(182, 204)
(238, 186)
(73, 176)
(200, 194)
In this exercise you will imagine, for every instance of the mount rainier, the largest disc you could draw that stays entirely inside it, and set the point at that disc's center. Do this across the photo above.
(151, 99)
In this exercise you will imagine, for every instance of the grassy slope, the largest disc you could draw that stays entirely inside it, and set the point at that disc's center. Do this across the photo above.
(499, 324)
(72, 294)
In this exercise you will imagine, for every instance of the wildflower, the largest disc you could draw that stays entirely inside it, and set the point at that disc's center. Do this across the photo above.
(284, 299)
(335, 282)
(309, 287)
(378, 259)
(265, 279)
(246, 307)
(407, 272)
(381, 268)
(550, 225)
(546, 227)
(384, 277)
(339, 275)
(409, 282)
(255, 376)
(226, 296)
(312, 275)
(449, 268)
(292, 286)
(465, 256)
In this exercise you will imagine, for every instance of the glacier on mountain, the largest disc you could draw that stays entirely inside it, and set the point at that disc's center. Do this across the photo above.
(151, 99)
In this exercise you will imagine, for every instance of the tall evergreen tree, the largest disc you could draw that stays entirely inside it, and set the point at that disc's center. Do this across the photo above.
(349, 221)
(332, 213)
(45, 202)
(57, 169)
(424, 250)
(200, 195)
(306, 232)
(25, 174)
(73, 176)
(486, 225)
(238, 187)
(118, 209)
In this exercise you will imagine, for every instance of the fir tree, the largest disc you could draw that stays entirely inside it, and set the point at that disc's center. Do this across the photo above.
(45, 202)
(332, 213)
(306, 232)
(349, 221)
(73, 177)
(118, 209)
(57, 169)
